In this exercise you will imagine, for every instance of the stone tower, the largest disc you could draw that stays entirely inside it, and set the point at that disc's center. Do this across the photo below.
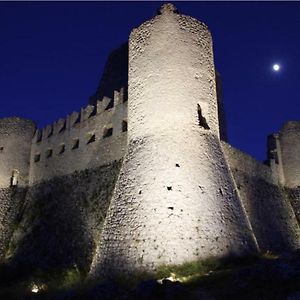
(175, 199)
(15, 142)
(283, 151)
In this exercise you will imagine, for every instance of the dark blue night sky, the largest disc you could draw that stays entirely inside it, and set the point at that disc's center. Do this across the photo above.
(52, 56)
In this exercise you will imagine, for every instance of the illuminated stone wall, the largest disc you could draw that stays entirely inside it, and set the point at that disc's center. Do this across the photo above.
(94, 137)
(180, 194)
(15, 144)
(175, 199)
(269, 210)
(289, 152)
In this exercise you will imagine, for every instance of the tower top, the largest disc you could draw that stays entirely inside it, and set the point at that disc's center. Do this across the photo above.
(168, 8)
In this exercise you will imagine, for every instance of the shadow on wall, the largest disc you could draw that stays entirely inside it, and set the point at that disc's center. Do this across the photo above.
(59, 228)
(270, 213)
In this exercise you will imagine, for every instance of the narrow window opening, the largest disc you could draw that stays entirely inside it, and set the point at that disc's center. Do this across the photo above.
(75, 144)
(37, 157)
(61, 149)
(201, 119)
(108, 132)
(91, 139)
(177, 165)
(1, 149)
(49, 153)
(124, 126)
(171, 207)
(169, 188)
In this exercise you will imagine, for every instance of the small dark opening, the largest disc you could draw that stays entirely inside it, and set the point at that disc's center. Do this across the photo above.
(49, 153)
(201, 119)
(124, 126)
(62, 149)
(140, 192)
(169, 188)
(75, 144)
(37, 157)
(92, 139)
(177, 165)
(1, 149)
(108, 132)
(171, 207)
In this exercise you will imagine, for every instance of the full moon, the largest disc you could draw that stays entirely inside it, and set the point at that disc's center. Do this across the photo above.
(276, 67)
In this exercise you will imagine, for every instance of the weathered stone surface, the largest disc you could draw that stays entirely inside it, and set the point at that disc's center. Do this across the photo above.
(11, 203)
(269, 210)
(15, 146)
(182, 194)
(165, 214)
(63, 218)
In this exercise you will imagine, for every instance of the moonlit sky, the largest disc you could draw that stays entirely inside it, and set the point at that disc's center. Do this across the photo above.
(52, 56)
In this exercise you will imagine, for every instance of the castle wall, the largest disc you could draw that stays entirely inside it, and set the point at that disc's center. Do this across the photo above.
(61, 220)
(269, 210)
(11, 203)
(96, 136)
(289, 139)
(15, 142)
(174, 200)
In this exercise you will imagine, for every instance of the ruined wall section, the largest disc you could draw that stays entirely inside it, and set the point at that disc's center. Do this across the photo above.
(96, 136)
(269, 210)
(62, 219)
(289, 139)
(15, 142)
(11, 203)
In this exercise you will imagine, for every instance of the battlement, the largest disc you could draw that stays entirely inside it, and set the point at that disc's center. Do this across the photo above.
(290, 126)
(92, 137)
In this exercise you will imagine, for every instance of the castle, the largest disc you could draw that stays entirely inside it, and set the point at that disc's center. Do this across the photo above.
(143, 176)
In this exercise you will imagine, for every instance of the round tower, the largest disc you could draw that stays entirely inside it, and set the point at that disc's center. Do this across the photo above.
(175, 199)
(15, 142)
(289, 137)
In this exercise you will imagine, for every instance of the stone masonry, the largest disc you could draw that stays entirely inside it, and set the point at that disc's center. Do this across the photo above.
(145, 173)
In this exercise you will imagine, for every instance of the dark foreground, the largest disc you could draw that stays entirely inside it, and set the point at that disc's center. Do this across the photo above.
(264, 277)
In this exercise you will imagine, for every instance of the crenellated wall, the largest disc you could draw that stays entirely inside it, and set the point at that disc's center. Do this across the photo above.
(85, 192)
(96, 136)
